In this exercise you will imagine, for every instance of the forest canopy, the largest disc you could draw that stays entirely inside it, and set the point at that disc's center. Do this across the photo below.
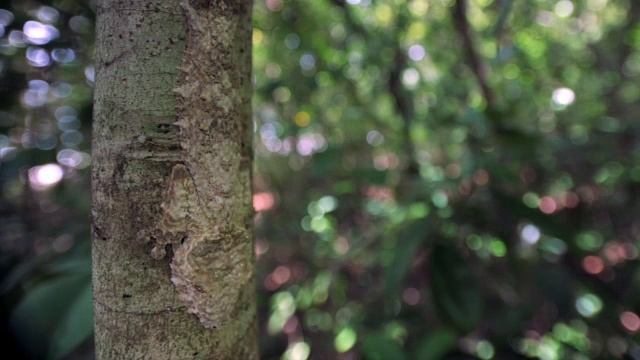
(434, 179)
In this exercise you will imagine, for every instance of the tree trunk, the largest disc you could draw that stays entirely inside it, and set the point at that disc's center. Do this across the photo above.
(172, 211)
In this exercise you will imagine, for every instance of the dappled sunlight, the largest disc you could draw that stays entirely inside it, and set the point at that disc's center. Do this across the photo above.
(492, 138)
(45, 176)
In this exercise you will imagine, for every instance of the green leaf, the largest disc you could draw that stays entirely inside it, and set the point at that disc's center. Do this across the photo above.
(41, 268)
(409, 239)
(75, 326)
(455, 289)
(55, 316)
(380, 347)
(437, 344)
(81, 265)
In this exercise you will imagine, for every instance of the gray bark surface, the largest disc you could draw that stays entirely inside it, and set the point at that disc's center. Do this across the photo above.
(172, 214)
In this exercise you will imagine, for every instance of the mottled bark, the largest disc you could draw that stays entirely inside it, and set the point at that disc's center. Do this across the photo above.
(172, 214)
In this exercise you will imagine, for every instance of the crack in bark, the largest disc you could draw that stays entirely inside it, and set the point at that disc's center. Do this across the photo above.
(107, 10)
(140, 312)
(119, 57)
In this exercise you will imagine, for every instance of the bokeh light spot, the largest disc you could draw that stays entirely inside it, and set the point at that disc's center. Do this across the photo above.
(416, 52)
(375, 138)
(263, 201)
(345, 339)
(48, 14)
(297, 351)
(90, 73)
(307, 62)
(498, 247)
(593, 264)
(485, 350)
(6, 17)
(73, 158)
(588, 305)
(411, 296)
(37, 57)
(45, 176)
(80, 24)
(410, 77)
(564, 8)
(563, 96)
(440, 199)
(630, 321)
(531, 200)
(274, 5)
(530, 234)
(38, 33)
(341, 245)
(292, 41)
(281, 94)
(481, 177)
(272, 70)
(257, 36)
(302, 119)
(63, 55)
(17, 38)
(547, 205)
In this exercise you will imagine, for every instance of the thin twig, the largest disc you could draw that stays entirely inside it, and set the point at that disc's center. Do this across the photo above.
(404, 106)
(403, 100)
(473, 59)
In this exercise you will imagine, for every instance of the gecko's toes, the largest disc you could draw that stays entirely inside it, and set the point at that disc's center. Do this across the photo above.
(158, 252)
(143, 236)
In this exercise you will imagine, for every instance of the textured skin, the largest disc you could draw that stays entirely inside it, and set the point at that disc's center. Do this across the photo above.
(207, 264)
(212, 259)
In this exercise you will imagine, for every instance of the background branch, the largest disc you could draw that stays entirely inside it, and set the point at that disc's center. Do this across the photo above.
(472, 58)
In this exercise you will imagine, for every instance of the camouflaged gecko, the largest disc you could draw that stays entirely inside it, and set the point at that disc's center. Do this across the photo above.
(211, 256)
(204, 270)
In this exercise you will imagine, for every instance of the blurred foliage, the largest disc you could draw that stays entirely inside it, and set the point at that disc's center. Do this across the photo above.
(46, 77)
(435, 179)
